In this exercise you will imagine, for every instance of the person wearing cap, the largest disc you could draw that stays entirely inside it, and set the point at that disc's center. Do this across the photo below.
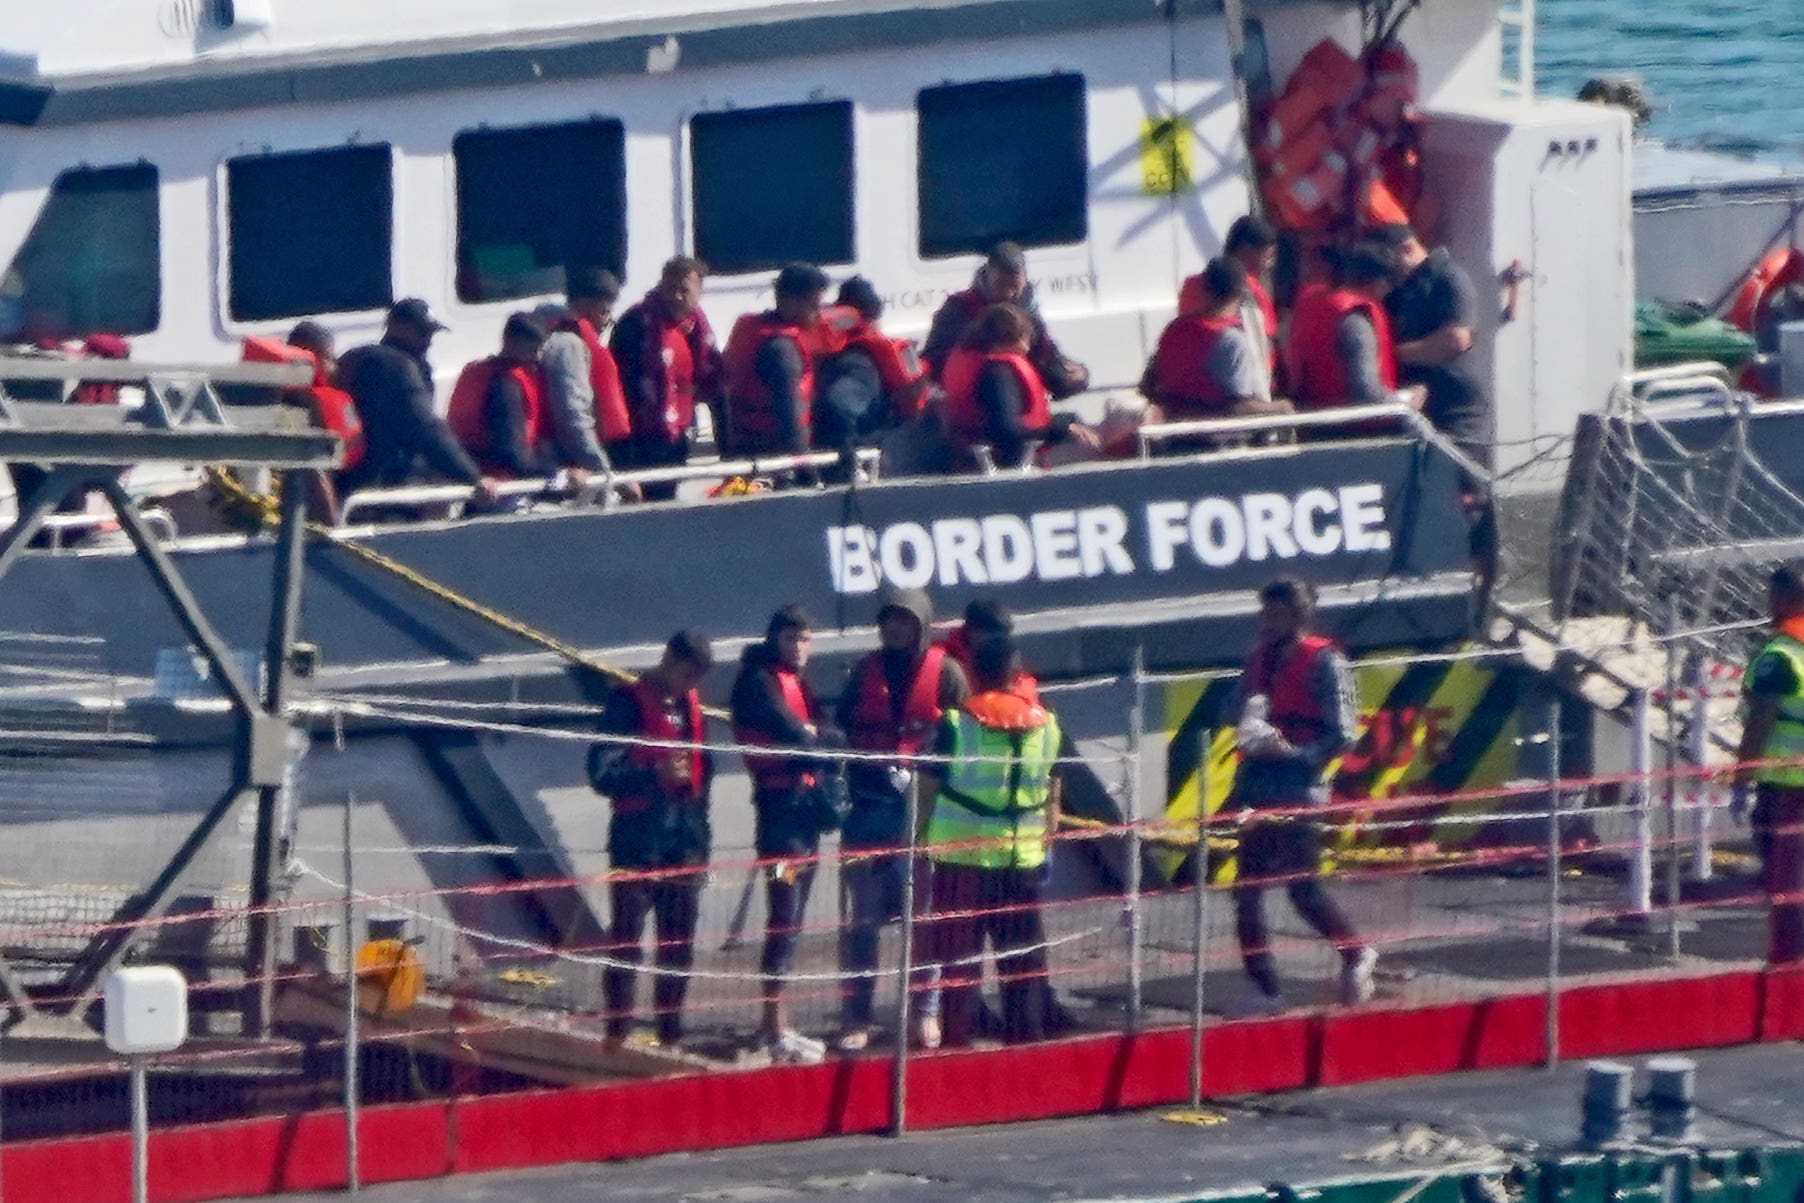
(668, 364)
(1430, 306)
(390, 383)
(770, 362)
(1340, 350)
(1002, 280)
(773, 707)
(585, 406)
(657, 778)
(869, 381)
(988, 807)
(891, 705)
(497, 407)
(1205, 365)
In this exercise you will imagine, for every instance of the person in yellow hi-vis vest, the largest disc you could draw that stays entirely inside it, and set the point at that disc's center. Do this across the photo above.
(1774, 731)
(986, 817)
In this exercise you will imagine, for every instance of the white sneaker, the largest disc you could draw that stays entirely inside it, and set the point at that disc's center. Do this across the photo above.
(1256, 1003)
(1356, 985)
(927, 1032)
(790, 1047)
(853, 1040)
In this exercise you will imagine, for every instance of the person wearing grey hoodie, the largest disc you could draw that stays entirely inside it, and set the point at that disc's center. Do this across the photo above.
(892, 704)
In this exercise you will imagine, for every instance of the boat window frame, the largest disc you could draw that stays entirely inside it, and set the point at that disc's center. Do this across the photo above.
(455, 217)
(155, 255)
(939, 253)
(230, 321)
(690, 181)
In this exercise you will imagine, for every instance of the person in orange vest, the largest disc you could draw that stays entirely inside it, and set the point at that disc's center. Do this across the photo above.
(585, 406)
(658, 830)
(995, 396)
(1295, 712)
(773, 706)
(870, 381)
(668, 364)
(770, 362)
(497, 408)
(1002, 280)
(1205, 365)
(892, 704)
(1340, 350)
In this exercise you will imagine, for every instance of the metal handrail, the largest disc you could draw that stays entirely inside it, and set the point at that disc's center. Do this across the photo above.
(59, 525)
(603, 486)
(130, 371)
(1158, 432)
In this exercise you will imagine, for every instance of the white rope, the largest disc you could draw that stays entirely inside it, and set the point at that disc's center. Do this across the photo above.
(605, 962)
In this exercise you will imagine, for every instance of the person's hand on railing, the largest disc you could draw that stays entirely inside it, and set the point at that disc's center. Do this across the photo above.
(488, 488)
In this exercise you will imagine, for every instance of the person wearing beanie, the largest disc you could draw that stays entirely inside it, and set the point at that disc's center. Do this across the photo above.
(869, 381)
(892, 704)
(770, 360)
(497, 407)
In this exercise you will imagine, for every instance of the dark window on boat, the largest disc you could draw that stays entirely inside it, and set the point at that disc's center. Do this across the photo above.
(1002, 159)
(533, 201)
(310, 232)
(91, 261)
(773, 186)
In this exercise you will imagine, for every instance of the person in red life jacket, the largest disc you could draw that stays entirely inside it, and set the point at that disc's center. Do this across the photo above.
(100, 392)
(995, 397)
(1205, 366)
(871, 381)
(1295, 711)
(331, 407)
(668, 365)
(498, 406)
(770, 364)
(987, 619)
(658, 832)
(892, 704)
(1252, 245)
(773, 706)
(585, 406)
(1002, 280)
(390, 382)
(1340, 350)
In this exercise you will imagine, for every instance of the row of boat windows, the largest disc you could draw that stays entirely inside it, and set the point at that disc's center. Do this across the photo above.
(311, 232)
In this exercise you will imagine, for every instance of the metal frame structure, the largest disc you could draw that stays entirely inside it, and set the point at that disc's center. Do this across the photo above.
(90, 448)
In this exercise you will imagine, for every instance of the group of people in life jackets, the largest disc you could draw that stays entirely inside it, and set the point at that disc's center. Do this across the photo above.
(943, 745)
(942, 770)
(1384, 318)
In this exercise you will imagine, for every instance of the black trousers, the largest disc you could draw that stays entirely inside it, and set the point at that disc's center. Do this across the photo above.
(675, 903)
(971, 905)
(1288, 852)
(786, 888)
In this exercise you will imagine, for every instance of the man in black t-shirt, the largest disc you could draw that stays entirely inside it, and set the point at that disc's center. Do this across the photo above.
(1430, 308)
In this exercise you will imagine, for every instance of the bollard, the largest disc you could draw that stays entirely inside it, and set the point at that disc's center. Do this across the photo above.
(1672, 1098)
(1608, 1088)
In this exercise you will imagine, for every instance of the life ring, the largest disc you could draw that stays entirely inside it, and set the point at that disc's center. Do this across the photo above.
(1780, 267)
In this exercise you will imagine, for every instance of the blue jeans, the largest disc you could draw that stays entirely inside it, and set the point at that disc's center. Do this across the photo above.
(871, 896)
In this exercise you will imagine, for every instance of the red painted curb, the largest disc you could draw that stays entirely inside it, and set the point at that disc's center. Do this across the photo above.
(1079, 1076)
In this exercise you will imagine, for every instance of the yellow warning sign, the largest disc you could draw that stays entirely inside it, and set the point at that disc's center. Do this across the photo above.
(1427, 728)
(1167, 156)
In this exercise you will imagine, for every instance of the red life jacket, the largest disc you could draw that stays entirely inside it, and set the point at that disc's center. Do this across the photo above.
(873, 726)
(965, 420)
(778, 772)
(1294, 710)
(1318, 379)
(655, 724)
(1263, 299)
(1181, 378)
(332, 407)
(679, 381)
(751, 410)
(611, 421)
(467, 414)
(958, 645)
(900, 372)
